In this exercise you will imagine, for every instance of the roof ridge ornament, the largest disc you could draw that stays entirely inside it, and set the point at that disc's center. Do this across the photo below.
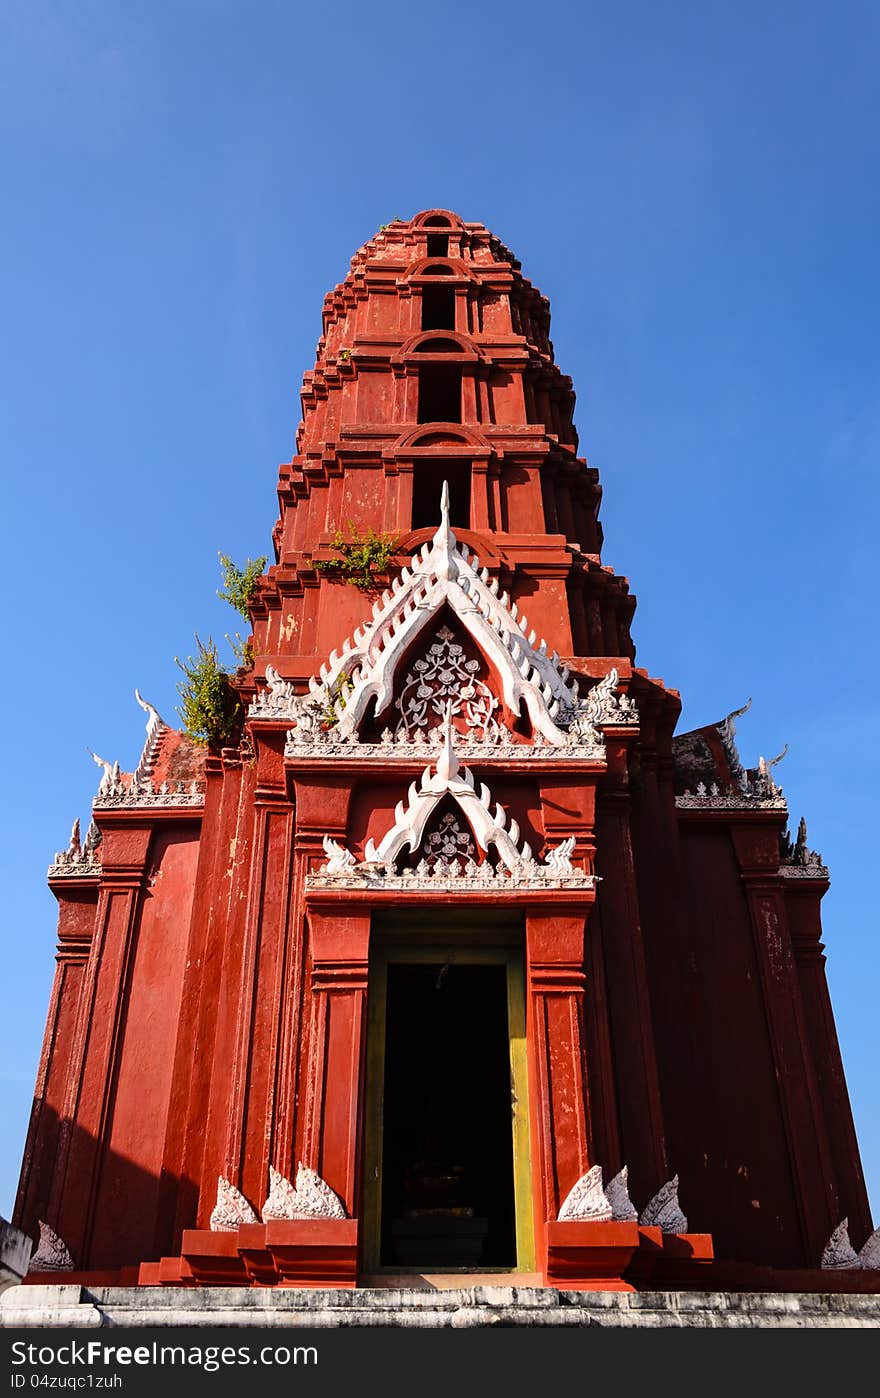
(156, 725)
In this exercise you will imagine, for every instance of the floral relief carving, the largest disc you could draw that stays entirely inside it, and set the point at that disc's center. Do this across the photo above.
(446, 675)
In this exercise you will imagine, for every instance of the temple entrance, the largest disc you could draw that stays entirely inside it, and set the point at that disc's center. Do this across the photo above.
(447, 1180)
(447, 1184)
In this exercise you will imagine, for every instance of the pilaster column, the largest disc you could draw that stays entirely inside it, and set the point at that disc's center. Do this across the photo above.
(97, 1036)
(561, 1146)
(809, 1154)
(641, 1116)
(802, 904)
(340, 944)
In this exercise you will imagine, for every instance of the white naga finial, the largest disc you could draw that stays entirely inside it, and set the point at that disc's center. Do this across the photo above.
(154, 718)
(111, 772)
(155, 724)
(764, 766)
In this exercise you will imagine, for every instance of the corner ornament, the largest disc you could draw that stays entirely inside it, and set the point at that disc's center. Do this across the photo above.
(589, 1201)
(840, 1255)
(312, 1197)
(52, 1254)
(231, 1209)
(664, 1210)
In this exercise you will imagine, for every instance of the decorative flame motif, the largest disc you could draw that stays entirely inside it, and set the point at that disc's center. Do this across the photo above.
(52, 1254)
(312, 1197)
(617, 1194)
(839, 1251)
(231, 1209)
(586, 1200)
(338, 859)
(840, 1254)
(445, 675)
(869, 1257)
(664, 1210)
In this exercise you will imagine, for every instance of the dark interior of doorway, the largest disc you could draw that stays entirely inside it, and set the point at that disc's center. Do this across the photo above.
(447, 1173)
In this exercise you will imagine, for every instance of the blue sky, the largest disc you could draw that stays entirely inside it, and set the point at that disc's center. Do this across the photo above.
(695, 188)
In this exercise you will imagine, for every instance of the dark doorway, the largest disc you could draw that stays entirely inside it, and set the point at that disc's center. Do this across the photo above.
(428, 478)
(438, 309)
(440, 393)
(447, 1157)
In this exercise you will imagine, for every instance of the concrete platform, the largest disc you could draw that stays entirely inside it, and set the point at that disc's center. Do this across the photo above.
(427, 1307)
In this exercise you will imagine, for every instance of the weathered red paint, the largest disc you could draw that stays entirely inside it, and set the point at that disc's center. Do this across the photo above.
(209, 1018)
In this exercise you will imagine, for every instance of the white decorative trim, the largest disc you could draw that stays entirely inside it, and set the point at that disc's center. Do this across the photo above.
(559, 858)
(586, 1200)
(231, 1209)
(756, 797)
(280, 700)
(339, 860)
(311, 1198)
(452, 878)
(143, 793)
(603, 707)
(664, 1210)
(326, 743)
(617, 1193)
(52, 1254)
(840, 1255)
(79, 860)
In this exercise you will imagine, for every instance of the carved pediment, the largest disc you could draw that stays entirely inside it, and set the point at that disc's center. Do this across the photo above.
(374, 673)
(445, 850)
(361, 677)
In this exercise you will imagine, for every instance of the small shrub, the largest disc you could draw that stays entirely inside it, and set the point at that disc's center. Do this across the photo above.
(239, 583)
(242, 649)
(337, 702)
(363, 557)
(209, 705)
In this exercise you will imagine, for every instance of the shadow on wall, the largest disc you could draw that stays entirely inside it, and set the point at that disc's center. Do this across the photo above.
(108, 1211)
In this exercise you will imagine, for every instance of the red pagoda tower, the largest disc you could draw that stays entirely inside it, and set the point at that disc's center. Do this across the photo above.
(453, 957)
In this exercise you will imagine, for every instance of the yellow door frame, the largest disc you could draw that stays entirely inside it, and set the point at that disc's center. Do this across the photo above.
(446, 945)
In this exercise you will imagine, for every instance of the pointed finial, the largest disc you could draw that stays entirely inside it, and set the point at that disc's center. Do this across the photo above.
(447, 762)
(738, 713)
(110, 772)
(74, 846)
(444, 546)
